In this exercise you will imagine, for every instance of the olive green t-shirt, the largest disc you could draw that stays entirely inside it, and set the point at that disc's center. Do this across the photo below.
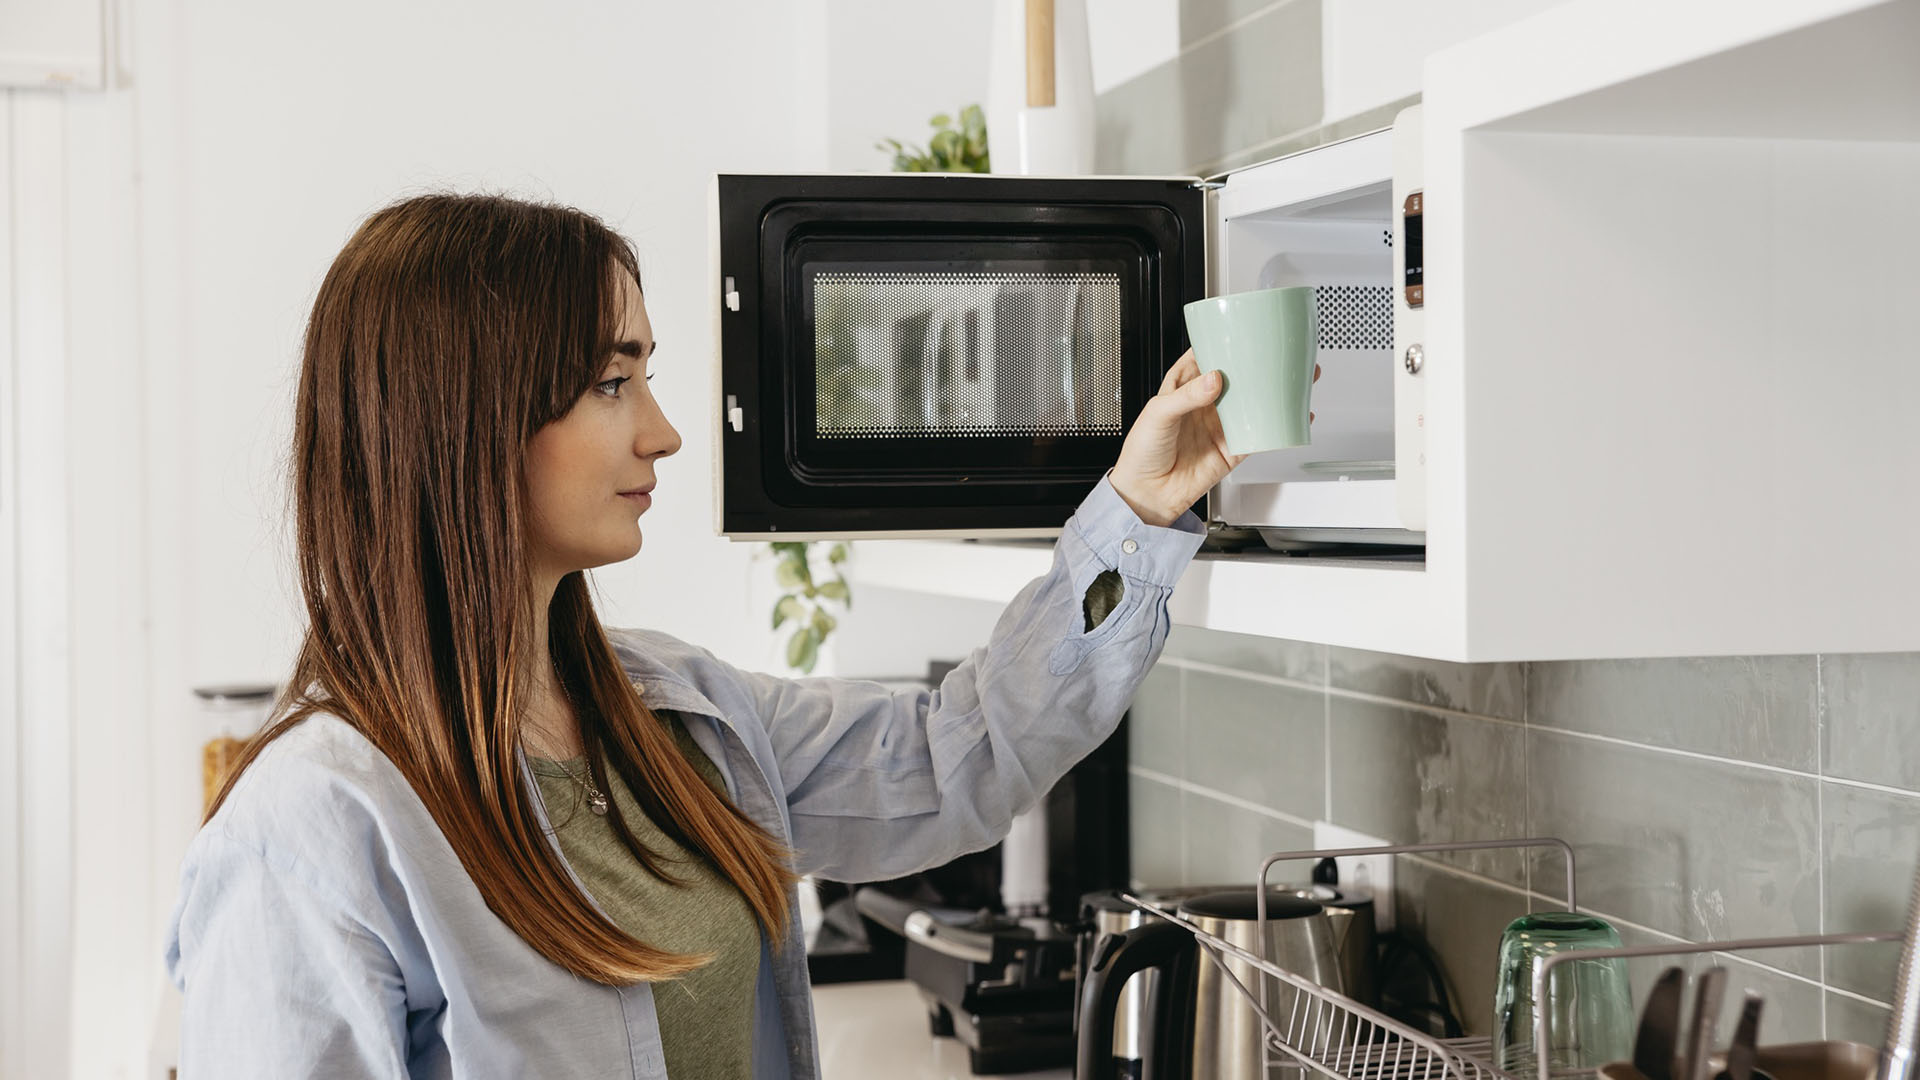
(706, 1016)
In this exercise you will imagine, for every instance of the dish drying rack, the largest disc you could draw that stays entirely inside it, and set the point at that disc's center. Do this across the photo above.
(1327, 1034)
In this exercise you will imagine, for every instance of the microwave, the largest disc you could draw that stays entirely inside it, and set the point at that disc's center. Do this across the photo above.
(936, 355)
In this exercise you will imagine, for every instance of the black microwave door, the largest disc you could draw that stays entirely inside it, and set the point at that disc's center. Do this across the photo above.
(916, 353)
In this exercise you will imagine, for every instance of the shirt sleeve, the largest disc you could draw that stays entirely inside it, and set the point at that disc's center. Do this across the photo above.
(882, 783)
(278, 980)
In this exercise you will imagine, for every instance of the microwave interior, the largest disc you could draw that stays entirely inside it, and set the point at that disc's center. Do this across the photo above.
(1341, 488)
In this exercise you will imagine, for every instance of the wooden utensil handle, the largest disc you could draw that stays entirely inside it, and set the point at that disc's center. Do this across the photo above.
(1039, 53)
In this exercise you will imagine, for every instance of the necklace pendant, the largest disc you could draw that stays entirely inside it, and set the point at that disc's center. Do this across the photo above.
(598, 804)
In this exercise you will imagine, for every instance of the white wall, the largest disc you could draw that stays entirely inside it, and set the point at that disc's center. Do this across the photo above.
(298, 121)
(198, 208)
(891, 66)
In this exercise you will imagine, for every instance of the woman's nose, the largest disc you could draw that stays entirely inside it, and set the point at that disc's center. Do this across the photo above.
(657, 436)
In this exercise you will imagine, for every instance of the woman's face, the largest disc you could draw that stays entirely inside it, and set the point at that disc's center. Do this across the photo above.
(590, 473)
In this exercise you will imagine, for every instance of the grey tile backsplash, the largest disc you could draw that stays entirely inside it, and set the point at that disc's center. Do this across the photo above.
(1406, 775)
(1872, 726)
(1720, 831)
(1705, 798)
(1257, 83)
(1761, 709)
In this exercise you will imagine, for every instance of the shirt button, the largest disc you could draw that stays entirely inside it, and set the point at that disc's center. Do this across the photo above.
(1129, 546)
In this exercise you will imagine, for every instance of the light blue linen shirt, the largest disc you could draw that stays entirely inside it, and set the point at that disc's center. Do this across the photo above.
(325, 927)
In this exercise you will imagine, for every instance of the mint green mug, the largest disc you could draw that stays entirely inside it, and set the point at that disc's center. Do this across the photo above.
(1263, 344)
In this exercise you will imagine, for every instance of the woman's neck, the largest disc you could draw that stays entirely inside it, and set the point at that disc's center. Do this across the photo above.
(550, 728)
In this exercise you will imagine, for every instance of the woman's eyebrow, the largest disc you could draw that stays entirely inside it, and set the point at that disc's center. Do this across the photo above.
(639, 350)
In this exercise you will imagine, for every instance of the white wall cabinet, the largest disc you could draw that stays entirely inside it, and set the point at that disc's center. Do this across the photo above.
(1673, 261)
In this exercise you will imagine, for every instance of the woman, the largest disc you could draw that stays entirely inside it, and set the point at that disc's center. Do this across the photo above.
(486, 837)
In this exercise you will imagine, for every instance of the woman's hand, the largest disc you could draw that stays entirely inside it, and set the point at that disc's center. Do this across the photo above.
(1176, 451)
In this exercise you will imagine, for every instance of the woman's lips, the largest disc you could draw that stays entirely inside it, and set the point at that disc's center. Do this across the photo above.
(640, 497)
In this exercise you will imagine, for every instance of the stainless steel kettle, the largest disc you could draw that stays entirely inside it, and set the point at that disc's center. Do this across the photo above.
(1199, 1025)
(1103, 913)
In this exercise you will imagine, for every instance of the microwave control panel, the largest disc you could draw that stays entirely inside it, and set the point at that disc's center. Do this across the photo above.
(1413, 274)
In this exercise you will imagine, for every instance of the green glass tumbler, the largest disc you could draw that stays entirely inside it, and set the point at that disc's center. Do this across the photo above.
(1263, 344)
(1589, 1004)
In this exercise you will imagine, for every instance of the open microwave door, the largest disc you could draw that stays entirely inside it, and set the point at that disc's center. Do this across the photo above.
(927, 355)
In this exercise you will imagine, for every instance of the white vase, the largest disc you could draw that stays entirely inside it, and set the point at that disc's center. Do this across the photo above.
(1040, 140)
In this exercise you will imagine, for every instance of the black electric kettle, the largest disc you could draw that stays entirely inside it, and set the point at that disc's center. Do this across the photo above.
(1199, 1026)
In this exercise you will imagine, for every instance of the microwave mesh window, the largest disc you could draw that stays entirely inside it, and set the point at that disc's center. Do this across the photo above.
(966, 354)
(1355, 316)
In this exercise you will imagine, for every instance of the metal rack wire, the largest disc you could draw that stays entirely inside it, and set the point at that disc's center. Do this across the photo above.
(1324, 1033)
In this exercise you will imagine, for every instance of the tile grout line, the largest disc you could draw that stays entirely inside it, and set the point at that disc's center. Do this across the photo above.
(1326, 754)
(1250, 154)
(1236, 801)
(1820, 819)
(1252, 676)
(1180, 683)
(1695, 755)
(1862, 998)
(1868, 785)
(1215, 35)
(1326, 708)
(1382, 117)
(1526, 772)
(1342, 692)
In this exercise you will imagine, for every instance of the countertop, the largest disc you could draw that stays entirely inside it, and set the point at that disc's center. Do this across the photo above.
(870, 1029)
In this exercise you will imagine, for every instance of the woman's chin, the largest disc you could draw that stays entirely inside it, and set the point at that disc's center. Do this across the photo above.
(629, 549)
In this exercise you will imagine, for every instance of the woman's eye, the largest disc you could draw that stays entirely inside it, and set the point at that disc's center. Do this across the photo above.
(611, 388)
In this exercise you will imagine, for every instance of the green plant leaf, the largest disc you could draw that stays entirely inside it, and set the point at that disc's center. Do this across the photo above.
(956, 146)
(835, 590)
(789, 607)
(803, 649)
(791, 573)
(823, 622)
(837, 554)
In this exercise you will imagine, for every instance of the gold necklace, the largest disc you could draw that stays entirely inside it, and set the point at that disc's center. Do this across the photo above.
(596, 801)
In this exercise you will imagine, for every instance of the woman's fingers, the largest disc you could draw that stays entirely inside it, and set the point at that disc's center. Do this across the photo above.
(1182, 371)
(1201, 390)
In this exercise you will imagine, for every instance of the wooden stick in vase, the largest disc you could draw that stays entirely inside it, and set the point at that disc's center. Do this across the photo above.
(1039, 53)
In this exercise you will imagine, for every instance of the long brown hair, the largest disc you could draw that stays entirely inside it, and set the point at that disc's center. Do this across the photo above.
(448, 331)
